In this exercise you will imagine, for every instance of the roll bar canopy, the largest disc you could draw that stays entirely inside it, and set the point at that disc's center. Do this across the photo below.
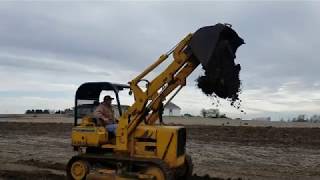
(92, 90)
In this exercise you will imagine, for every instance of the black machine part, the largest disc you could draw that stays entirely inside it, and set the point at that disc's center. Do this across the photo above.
(215, 47)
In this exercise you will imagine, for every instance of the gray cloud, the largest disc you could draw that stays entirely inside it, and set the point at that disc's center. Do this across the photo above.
(111, 41)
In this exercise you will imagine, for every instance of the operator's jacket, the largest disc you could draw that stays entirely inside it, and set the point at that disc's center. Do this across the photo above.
(102, 113)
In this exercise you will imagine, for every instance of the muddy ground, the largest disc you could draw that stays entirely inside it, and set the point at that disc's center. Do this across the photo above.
(41, 150)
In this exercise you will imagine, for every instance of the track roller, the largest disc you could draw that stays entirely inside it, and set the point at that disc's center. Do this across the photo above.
(156, 172)
(77, 169)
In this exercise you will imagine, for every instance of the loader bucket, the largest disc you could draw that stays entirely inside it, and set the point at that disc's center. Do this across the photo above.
(215, 47)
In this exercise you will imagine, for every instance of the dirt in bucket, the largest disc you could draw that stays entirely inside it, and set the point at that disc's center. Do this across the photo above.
(221, 73)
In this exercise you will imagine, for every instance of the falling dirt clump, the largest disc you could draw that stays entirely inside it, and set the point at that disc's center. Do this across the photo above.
(221, 76)
(223, 82)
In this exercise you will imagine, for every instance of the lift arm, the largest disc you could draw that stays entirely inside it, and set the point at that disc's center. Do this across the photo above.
(160, 87)
(187, 55)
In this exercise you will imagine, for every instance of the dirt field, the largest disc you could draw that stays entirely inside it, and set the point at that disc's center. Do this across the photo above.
(59, 118)
(41, 150)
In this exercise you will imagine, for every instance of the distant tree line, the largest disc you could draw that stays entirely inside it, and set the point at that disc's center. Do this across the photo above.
(47, 111)
(304, 118)
(37, 111)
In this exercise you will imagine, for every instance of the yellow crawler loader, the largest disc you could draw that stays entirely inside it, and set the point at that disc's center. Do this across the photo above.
(143, 148)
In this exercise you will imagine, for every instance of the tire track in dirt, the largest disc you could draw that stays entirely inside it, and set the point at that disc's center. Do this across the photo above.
(222, 152)
(47, 175)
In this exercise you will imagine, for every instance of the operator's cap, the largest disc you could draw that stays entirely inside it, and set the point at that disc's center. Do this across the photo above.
(107, 97)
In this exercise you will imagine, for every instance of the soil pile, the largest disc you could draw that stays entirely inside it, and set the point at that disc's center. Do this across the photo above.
(23, 175)
(46, 175)
(298, 137)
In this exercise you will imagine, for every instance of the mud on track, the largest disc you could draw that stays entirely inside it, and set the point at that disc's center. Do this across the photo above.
(41, 150)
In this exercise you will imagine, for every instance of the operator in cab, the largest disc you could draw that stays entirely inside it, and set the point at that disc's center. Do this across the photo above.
(105, 115)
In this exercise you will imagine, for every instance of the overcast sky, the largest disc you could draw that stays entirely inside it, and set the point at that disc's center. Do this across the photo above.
(48, 49)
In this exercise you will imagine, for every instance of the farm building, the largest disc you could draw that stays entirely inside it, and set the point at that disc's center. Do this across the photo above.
(171, 109)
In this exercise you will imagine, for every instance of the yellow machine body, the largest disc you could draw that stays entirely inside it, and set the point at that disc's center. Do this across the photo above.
(88, 135)
(141, 149)
(161, 142)
(149, 141)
